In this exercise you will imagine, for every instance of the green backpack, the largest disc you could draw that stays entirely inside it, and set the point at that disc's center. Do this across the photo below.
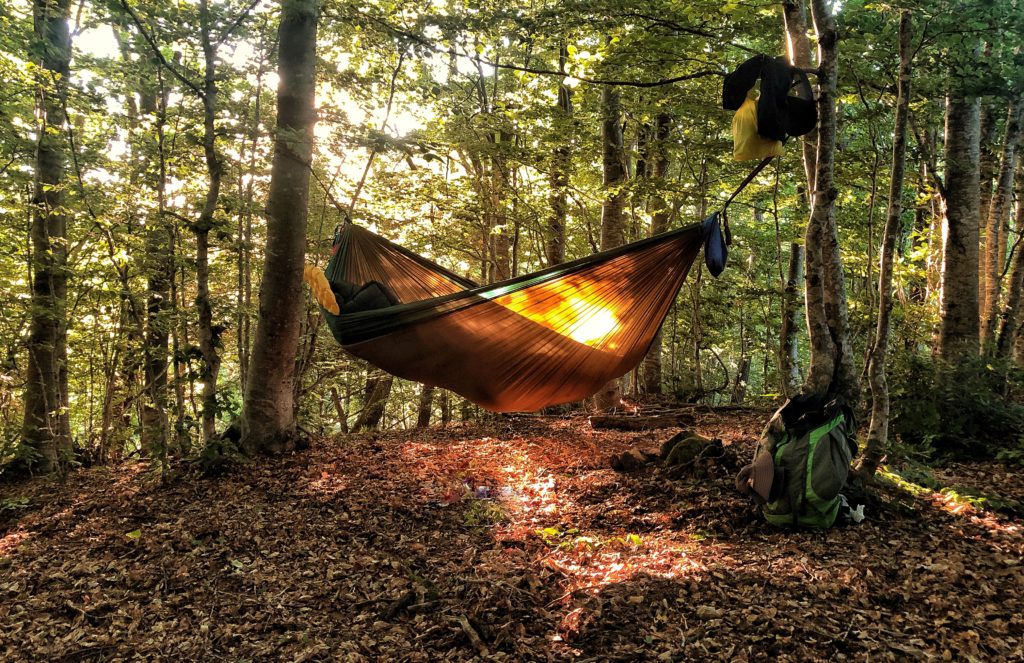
(812, 465)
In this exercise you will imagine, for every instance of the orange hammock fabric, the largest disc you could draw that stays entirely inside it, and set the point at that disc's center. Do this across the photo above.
(542, 339)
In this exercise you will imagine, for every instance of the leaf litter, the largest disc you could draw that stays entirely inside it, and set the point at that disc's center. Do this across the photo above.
(509, 540)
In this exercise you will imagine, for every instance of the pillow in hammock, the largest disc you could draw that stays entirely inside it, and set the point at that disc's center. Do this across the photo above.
(353, 299)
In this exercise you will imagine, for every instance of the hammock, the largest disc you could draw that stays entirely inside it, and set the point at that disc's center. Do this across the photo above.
(551, 337)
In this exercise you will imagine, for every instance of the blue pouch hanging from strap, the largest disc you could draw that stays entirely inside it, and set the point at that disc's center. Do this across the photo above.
(716, 252)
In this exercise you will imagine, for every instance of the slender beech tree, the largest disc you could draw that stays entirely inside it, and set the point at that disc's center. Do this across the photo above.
(46, 428)
(798, 49)
(554, 248)
(1009, 327)
(613, 221)
(209, 334)
(878, 431)
(268, 412)
(995, 226)
(159, 267)
(657, 172)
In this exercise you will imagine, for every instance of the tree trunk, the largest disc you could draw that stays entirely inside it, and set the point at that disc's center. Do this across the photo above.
(659, 224)
(878, 431)
(554, 247)
(375, 399)
(339, 409)
(831, 368)
(44, 426)
(789, 359)
(159, 264)
(995, 228)
(1010, 323)
(613, 225)
(958, 332)
(798, 46)
(268, 414)
(209, 337)
(244, 240)
(988, 161)
(739, 387)
(426, 406)
(794, 14)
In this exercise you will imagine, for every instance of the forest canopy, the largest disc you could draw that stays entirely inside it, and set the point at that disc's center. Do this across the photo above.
(497, 139)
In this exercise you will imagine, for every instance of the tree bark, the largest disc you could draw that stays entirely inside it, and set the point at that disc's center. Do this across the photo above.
(268, 413)
(789, 360)
(209, 336)
(995, 227)
(798, 47)
(1010, 324)
(159, 262)
(958, 332)
(375, 399)
(659, 223)
(878, 431)
(613, 225)
(831, 368)
(554, 247)
(426, 406)
(44, 427)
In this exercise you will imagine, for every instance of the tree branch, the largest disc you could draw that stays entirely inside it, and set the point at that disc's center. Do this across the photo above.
(156, 51)
(234, 24)
(429, 45)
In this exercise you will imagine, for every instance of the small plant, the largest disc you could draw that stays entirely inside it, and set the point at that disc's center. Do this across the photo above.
(484, 513)
(12, 504)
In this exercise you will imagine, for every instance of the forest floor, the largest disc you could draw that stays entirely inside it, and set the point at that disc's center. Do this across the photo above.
(506, 540)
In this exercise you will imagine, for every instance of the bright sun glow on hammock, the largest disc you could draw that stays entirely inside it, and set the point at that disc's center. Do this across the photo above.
(576, 310)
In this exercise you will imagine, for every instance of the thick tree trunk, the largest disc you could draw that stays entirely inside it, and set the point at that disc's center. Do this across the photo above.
(268, 413)
(554, 247)
(995, 227)
(958, 332)
(659, 223)
(878, 431)
(831, 368)
(44, 426)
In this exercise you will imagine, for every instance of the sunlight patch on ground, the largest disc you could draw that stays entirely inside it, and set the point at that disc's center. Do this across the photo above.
(11, 541)
(330, 481)
(536, 510)
(954, 504)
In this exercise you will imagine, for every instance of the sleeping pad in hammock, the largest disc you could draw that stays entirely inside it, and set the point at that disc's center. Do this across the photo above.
(551, 337)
